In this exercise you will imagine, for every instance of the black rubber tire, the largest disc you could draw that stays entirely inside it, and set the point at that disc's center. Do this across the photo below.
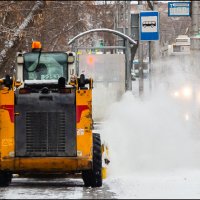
(5, 179)
(93, 177)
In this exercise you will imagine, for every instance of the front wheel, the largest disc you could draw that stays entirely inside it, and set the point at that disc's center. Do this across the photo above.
(93, 177)
(5, 179)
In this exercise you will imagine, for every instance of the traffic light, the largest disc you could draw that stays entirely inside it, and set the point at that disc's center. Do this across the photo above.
(101, 43)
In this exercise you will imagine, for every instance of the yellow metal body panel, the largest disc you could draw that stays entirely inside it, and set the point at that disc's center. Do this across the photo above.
(50, 165)
(104, 172)
(105, 155)
(84, 123)
(83, 160)
(7, 142)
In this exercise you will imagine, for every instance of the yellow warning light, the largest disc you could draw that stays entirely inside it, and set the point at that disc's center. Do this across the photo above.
(36, 45)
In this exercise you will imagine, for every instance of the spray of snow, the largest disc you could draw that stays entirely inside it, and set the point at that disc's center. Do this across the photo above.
(157, 132)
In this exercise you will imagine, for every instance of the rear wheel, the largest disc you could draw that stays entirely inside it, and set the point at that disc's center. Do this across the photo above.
(5, 179)
(93, 177)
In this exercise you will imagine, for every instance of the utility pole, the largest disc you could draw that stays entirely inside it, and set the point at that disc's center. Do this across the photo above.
(195, 47)
(195, 17)
(129, 47)
(155, 44)
(123, 8)
(124, 17)
(140, 59)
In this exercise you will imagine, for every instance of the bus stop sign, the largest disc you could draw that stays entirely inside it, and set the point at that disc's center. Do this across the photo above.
(149, 26)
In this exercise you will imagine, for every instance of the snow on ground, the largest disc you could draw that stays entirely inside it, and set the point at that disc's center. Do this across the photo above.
(179, 185)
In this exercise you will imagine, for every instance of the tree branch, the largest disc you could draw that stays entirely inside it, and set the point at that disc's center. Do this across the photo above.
(15, 37)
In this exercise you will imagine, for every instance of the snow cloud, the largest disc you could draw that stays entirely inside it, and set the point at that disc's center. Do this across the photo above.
(157, 132)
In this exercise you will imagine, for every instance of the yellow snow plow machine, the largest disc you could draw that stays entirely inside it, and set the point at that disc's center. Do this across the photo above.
(46, 124)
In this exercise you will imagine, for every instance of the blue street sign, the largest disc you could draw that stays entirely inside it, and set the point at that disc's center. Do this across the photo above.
(149, 26)
(178, 9)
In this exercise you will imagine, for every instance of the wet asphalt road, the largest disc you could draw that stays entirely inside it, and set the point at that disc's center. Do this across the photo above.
(61, 188)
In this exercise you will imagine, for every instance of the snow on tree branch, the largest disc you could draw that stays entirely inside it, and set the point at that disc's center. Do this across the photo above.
(9, 44)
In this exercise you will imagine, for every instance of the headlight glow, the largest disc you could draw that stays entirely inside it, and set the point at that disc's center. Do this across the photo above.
(187, 92)
(176, 94)
(187, 117)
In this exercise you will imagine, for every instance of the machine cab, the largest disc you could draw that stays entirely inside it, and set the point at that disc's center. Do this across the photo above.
(39, 67)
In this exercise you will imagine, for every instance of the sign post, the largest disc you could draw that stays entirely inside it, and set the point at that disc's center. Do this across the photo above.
(149, 31)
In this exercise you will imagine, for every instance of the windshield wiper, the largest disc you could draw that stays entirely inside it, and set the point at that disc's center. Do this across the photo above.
(39, 55)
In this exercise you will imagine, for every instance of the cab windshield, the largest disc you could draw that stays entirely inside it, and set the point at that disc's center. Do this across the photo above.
(51, 66)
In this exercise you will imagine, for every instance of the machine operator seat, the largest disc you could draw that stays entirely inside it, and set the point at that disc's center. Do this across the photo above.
(41, 70)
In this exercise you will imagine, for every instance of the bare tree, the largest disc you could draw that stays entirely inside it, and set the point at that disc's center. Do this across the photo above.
(17, 32)
(53, 23)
